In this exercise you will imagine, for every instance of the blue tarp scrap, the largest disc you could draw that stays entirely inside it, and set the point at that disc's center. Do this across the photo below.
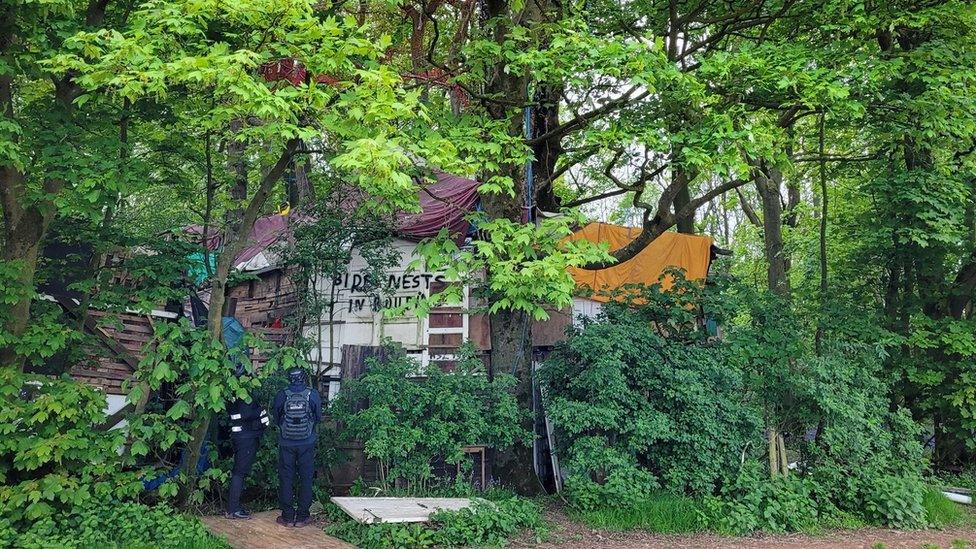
(233, 335)
(197, 272)
(202, 465)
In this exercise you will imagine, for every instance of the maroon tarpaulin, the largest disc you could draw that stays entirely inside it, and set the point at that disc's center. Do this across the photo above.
(443, 204)
(266, 231)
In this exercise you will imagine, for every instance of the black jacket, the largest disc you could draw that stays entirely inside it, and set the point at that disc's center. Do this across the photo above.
(247, 419)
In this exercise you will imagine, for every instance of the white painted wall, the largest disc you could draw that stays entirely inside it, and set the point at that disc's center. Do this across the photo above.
(585, 308)
(358, 320)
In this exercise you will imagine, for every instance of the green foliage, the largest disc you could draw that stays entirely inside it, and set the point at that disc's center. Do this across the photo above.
(895, 501)
(751, 502)
(617, 478)
(867, 459)
(869, 468)
(112, 524)
(322, 247)
(658, 512)
(201, 373)
(965, 479)
(52, 458)
(203, 368)
(486, 523)
(46, 335)
(412, 416)
(640, 394)
(526, 264)
(383, 535)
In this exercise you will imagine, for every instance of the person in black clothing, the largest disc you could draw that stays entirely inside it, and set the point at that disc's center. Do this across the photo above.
(247, 423)
(297, 410)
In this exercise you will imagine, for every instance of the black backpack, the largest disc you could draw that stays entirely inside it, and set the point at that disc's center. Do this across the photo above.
(297, 423)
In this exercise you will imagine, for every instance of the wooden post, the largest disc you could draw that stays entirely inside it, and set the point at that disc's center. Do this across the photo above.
(784, 462)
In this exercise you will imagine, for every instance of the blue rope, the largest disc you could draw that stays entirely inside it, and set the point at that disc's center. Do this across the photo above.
(529, 176)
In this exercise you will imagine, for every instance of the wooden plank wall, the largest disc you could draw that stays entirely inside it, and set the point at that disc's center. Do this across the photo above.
(265, 307)
(262, 302)
(105, 369)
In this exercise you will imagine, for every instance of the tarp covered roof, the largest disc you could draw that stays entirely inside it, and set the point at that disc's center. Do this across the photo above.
(443, 204)
(689, 252)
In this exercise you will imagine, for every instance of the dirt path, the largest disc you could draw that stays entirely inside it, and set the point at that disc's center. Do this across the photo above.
(567, 534)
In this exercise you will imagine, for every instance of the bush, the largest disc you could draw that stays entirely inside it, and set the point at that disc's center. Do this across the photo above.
(52, 458)
(408, 420)
(659, 512)
(867, 460)
(57, 470)
(895, 501)
(486, 523)
(624, 485)
(642, 399)
(641, 394)
(112, 525)
(751, 502)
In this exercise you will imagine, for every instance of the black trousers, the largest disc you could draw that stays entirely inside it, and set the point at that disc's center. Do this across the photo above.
(245, 451)
(295, 461)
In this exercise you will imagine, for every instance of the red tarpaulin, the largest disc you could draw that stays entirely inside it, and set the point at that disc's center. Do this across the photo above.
(443, 204)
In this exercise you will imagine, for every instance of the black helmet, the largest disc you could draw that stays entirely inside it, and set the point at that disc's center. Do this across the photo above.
(297, 376)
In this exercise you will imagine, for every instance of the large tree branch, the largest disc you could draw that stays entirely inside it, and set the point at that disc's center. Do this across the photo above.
(601, 196)
(661, 222)
(260, 198)
(748, 209)
(581, 120)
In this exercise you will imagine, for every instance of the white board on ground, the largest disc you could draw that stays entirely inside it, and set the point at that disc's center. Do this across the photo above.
(373, 510)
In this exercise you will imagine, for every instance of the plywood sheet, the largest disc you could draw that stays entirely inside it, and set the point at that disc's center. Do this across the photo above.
(373, 510)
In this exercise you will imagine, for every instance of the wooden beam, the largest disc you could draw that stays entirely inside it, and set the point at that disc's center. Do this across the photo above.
(114, 419)
(104, 337)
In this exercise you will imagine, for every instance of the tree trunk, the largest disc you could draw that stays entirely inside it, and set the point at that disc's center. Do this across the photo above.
(511, 353)
(234, 241)
(685, 225)
(24, 224)
(772, 452)
(784, 462)
(23, 234)
(768, 185)
(547, 152)
(510, 336)
(818, 337)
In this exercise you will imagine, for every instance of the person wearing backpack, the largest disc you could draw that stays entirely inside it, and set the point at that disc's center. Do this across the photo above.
(297, 410)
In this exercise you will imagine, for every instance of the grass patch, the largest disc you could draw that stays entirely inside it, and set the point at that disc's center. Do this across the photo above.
(941, 512)
(661, 512)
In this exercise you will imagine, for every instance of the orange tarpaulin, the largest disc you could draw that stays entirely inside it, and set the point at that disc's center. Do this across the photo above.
(685, 251)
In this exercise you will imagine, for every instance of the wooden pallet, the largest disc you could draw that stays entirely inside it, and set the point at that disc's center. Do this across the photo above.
(262, 532)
